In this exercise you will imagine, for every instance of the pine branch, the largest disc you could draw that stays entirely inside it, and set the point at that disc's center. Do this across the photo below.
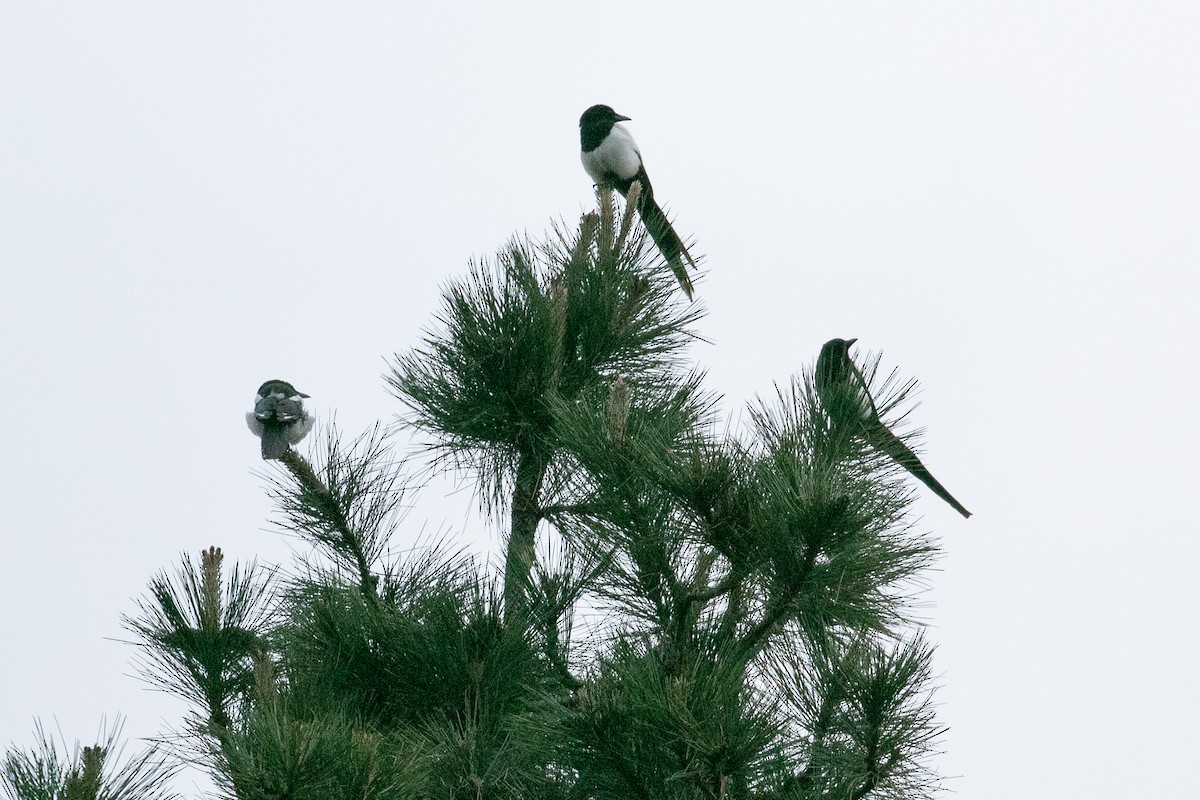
(522, 539)
(723, 587)
(96, 772)
(326, 506)
(780, 606)
(820, 729)
(719, 622)
(556, 510)
(199, 634)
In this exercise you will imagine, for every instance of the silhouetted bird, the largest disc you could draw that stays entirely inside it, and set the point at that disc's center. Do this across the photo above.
(278, 418)
(611, 157)
(843, 393)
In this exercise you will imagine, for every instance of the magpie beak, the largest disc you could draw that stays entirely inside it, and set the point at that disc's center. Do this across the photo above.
(279, 418)
(612, 158)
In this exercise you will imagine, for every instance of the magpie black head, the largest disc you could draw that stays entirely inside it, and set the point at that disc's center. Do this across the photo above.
(279, 387)
(838, 346)
(831, 364)
(595, 125)
(601, 116)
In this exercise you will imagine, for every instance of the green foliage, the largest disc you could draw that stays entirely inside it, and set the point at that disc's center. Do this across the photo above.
(866, 708)
(541, 324)
(89, 773)
(659, 724)
(432, 697)
(713, 613)
(198, 637)
(276, 754)
(349, 505)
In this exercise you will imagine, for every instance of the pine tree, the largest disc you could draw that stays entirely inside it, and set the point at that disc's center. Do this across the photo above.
(683, 610)
(88, 773)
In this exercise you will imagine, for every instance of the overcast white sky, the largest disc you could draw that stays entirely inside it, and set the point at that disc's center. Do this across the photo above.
(1003, 197)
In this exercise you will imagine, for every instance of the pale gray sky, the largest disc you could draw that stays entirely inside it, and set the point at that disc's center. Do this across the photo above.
(1002, 197)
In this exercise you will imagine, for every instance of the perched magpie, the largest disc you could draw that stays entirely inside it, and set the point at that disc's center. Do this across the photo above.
(843, 393)
(611, 157)
(278, 418)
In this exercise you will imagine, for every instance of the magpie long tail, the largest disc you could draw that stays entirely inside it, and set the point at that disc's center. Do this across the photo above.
(888, 442)
(274, 445)
(668, 241)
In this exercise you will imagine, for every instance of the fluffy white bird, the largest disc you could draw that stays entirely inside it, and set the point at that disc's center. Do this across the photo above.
(279, 418)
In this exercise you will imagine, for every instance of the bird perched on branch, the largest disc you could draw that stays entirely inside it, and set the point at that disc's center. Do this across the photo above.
(278, 418)
(611, 157)
(843, 393)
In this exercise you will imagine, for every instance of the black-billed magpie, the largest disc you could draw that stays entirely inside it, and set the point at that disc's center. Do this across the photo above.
(843, 393)
(278, 418)
(611, 157)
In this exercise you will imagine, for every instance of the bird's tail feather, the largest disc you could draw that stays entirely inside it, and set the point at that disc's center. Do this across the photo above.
(890, 444)
(274, 445)
(668, 241)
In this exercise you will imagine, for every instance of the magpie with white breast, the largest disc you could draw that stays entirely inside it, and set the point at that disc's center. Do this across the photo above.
(611, 157)
(279, 418)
